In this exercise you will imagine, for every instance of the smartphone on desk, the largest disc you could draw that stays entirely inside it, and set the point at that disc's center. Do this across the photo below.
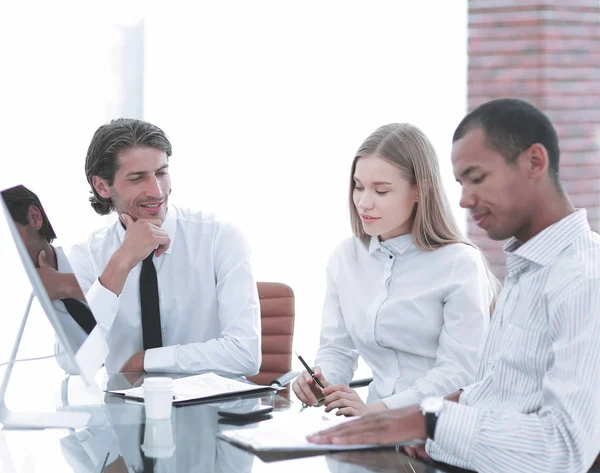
(244, 409)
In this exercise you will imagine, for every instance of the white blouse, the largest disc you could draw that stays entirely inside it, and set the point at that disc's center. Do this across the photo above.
(418, 318)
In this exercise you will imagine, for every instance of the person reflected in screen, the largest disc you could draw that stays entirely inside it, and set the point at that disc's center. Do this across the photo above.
(172, 288)
(408, 292)
(535, 403)
(52, 266)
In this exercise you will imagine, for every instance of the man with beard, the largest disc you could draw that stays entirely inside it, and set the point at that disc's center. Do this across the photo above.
(172, 289)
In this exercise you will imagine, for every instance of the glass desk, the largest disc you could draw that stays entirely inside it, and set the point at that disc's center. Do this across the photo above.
(113, 440)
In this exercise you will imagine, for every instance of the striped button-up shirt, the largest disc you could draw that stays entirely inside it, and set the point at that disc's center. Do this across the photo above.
(535, 405)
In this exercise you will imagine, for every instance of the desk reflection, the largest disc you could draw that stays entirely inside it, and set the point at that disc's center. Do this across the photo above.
(388, 461)
(123, 439)
(53, 268)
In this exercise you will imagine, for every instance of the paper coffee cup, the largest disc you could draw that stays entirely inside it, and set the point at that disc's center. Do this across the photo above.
(158, 397)
(158, 438)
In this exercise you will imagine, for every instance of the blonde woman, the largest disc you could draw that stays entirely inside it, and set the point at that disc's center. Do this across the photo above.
(408, 292)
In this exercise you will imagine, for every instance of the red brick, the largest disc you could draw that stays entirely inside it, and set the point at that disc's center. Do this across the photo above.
(572, 171)
(510, 17)
(475, 100)
(486, 4)
(572, 115)
(580, 158)
(561, 30)
(506, 87)
(528, 46)
(590, 58)
(572, 102)
(532, 5)
(583, 58)
(505, 46)
(593, 213)
(574, 130)
(568, 45)
(593, 4)
(533, 73)
(585, 200)
(540, 85)
(548, 53)
(582, 186)
(578, 146)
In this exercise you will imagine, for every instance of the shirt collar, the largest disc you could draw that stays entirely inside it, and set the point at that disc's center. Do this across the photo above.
(397, 245)
(544, 247)
(169, 226)
(62, 263)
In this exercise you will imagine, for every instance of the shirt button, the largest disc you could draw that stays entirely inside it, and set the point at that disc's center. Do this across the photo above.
(391, 257)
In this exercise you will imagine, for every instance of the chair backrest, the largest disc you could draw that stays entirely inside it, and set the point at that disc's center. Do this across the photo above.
(277, 317)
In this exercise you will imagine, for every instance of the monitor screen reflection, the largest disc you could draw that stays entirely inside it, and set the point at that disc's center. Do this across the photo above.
(53, 268)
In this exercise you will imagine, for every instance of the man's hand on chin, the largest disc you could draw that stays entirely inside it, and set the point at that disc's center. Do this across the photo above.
(134, 365)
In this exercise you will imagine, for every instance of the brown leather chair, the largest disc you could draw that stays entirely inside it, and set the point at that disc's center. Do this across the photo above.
(277, 317)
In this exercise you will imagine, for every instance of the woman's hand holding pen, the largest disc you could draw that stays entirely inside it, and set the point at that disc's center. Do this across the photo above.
(307, 389)
(347, 402)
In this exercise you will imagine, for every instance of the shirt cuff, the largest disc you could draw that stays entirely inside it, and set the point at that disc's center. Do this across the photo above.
(402, 399)
(462, 399)
(160, 359)
(455, 429)
(435, 452)
(332, 375)
(104, 305)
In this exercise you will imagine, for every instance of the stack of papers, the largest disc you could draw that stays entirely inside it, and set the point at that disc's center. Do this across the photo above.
(201, 387)
(289, 435)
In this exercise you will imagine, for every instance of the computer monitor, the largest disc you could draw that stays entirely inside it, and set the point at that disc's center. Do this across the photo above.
(80, 346)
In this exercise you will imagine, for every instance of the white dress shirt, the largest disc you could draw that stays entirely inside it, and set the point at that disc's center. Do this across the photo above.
(209, 309)
(535, 405)
(418, 318)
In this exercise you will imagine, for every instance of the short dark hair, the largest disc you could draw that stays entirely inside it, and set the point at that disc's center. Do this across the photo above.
(18, 199)
(111, 139)
(511, 126)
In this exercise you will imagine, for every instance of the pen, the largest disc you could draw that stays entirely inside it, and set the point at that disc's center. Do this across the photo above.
(310, 372)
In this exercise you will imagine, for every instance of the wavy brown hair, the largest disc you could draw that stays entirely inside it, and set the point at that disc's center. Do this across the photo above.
(109, 141)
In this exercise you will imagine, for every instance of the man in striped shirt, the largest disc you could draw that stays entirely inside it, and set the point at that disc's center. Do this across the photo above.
(535, 405)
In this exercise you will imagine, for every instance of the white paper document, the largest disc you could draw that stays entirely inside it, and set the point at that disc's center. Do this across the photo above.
(205, 386)
(289, 435)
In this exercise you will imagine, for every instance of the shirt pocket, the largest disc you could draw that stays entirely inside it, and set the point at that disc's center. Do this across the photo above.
(523, 358)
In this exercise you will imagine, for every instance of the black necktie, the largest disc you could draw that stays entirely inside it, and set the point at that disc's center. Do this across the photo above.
(81, 313)
(149, 303)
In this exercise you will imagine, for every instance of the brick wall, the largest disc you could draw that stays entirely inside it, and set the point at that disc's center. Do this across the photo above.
(548, 53)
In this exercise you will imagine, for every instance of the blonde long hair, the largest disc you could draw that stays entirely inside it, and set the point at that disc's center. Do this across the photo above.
(406, 147)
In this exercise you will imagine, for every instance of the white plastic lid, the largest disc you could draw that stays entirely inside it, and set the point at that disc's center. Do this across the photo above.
(158, 452)
(158, 384)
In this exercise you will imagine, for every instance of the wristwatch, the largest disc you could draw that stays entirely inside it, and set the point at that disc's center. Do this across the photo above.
(431, 407)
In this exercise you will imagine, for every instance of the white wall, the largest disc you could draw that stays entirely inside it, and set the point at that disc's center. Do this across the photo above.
(266, 102)
(65, 70)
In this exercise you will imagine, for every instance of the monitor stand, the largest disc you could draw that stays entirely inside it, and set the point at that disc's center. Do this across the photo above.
(34, 420)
